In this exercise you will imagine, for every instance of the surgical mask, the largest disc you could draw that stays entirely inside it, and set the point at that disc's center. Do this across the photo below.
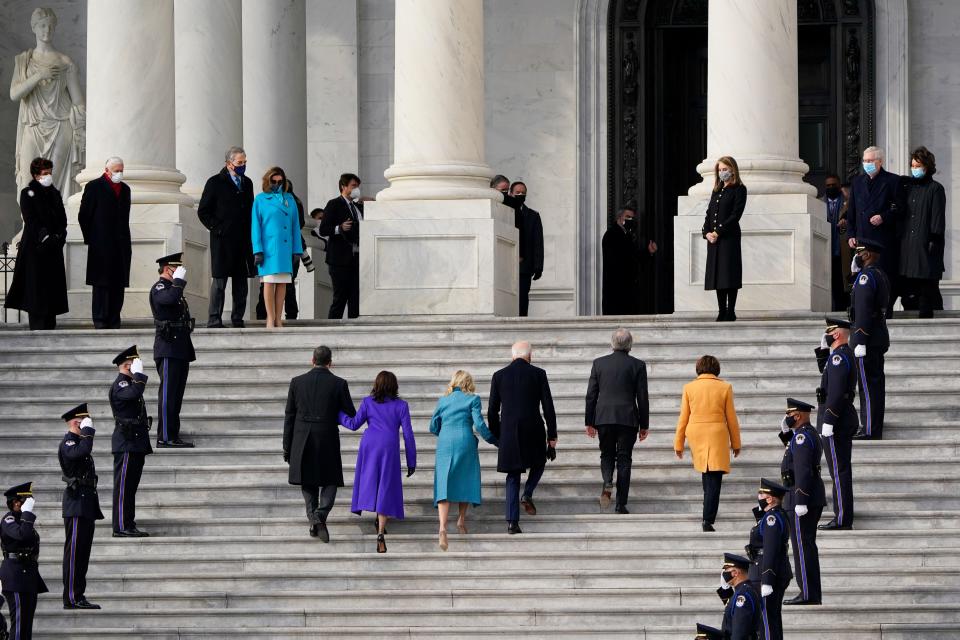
(791, 421)
(918, 172)
(116, 177)
(870, 168)
(46, 180)
(355, 194)
(240, 169)
(727, 576)
(725, 174)
(829, 339)
(833, 192)
(521, 197)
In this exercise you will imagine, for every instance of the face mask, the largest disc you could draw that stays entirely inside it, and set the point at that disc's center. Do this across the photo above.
(116, 177)
(521, 197)
(240, 169)
(630, 223)
(870, 168)
(46, 180)
(829, 339)
(355, 194)
(725, 174)
(833, 192)
(858, 260)
(918, 172)
(276, 188)
(763, 504)
(727, 576)
(791, 421)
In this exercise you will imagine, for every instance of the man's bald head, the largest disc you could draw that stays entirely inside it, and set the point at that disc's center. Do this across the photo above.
(521, 350)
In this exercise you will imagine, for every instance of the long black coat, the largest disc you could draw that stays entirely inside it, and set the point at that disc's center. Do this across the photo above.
(530, 226)
(621, 271)
(724, 261)
(924, 225)
(311, 435)
(39, 281)
(881, 195)
(225, 211)
(517, 393)
(105, 222)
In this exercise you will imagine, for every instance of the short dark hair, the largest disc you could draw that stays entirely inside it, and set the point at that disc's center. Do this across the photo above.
(515, 184)
(832, 175)
(347, 178)
(385, 387)
(322, 356)
(314, 212)
(497, 179)
(921, 154)
(708, 364)
(38, 165)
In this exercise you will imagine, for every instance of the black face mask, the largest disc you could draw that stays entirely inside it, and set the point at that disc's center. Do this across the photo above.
(858, 260)
(727, 576)
(521, 197)
(763, 503)
(830, 339)
(833, 192)
(791, 421)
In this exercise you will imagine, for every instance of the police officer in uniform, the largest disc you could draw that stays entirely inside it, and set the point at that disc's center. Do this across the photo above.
(172, 348)
(770, 571)
(130, 442)
(869, 338)
(19, 573)
(804, 502)
(81, 505)
(837, 417)
(742, 615)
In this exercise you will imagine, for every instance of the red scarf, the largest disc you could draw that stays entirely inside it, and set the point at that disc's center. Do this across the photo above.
(116, 186)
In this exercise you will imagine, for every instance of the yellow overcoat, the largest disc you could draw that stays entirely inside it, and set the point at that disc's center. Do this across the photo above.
(709, 422)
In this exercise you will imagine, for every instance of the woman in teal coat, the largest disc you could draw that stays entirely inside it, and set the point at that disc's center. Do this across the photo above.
(457, 469)
(275, 235)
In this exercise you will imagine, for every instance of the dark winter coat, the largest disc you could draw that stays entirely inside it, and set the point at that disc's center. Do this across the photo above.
(105, 222)
(517, 394)
(923, 229)
(225, 211)
(724, 261)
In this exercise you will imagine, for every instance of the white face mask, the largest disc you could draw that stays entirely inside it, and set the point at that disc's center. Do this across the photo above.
(46, 180)
(355, 194)
(116, 177)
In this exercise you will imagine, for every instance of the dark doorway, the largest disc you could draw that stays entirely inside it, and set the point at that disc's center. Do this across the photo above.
(657, 62)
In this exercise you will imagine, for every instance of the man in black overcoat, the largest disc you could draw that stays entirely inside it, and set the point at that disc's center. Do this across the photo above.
(621, 265)
(518, 392)
(104, 219)
(224, 210)
(311, 437)
(341, 224)
(530, 227)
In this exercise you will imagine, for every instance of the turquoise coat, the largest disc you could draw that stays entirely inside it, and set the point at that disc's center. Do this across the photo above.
(457, 469)
(275, 232)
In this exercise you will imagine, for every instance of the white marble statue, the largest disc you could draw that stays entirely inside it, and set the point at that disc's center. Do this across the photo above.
(52, 110)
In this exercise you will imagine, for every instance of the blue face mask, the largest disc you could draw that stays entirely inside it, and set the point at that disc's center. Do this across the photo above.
(276, 188)
(918, 172)
(240, 169)
(870, 167)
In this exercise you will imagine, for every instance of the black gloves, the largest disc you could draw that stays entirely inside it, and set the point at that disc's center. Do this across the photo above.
(258, 259)
(286, 456)
(551, 453)
(537, 275)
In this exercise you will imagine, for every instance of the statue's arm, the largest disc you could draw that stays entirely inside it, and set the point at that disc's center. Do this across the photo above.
(20, 88)
(74, 89)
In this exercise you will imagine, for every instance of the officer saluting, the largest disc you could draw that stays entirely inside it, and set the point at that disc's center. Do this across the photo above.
(172, 348)
(770, 563)
(18, 572)
(837, 417)
(81, 505)
(869, 337)
(742, 615)
(800, 470)
(130, 442)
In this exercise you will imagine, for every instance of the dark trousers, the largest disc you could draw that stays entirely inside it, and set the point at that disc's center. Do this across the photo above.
(346, 289)
(22, 607)
(107, 304)
(42, 322)
(513, 490)
(76, 557)
(927, 292)
(770, 611)
(127, 470)
(806, 556)
(173, 383)
(525, 280)
(319, 501)
(873, 394)
(712, 481)
(841, 299)
(838, 450)
(616, 450)
(218, 293)
(727, 303)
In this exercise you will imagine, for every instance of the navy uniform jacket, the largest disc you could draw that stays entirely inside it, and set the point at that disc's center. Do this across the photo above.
(881, 196)
(80, 498)
(742, 618)
(132, 431)
(800, 469)
(167, 302)
(838, 387)
(768, 550)
(868, 319)
(17, 535)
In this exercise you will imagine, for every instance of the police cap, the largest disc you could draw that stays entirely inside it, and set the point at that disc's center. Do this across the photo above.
(126, 354)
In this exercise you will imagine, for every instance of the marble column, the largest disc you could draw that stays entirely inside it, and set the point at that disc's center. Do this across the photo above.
(131, 114)
(437, 240)
(752, 115)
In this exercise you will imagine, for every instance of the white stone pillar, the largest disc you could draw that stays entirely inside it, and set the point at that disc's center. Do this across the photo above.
(752, 115)
(437, 241)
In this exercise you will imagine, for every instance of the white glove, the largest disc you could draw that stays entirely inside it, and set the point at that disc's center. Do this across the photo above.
(827, 430)
(180, 273)
(853, 266)
(86, 423)
(823, 342)
(766, 590)
(801, 510)
(136, 366)
(27, 505)
(783, 425)
(860, 350)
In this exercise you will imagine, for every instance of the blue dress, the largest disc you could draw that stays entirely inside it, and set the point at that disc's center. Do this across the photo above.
(457, 469)
(275, 232)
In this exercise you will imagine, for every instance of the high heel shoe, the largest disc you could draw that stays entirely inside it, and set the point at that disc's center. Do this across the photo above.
(381, 543)
(443, 541)
(462, 528)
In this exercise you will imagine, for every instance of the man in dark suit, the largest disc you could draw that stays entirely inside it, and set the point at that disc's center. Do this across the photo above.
(618, 408)
(622, 256)
(530, 226)
(517, 394)
(341, 224)
(224, 210)
(104, 219)
(311, 438)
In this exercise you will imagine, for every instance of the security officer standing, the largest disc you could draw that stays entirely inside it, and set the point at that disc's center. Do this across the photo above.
(742, 616)
(81, 505)
(172, 348)
(130, 442)
(800, 470)
(837, 417)
(869, 338)
(769, 561)
(21, 547)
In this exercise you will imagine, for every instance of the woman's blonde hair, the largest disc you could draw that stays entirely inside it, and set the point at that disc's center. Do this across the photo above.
(463, 380)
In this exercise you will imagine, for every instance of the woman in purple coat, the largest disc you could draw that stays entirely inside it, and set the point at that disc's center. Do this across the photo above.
(377, 485)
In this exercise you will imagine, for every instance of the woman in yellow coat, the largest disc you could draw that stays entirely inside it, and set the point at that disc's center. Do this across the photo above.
(709, 421)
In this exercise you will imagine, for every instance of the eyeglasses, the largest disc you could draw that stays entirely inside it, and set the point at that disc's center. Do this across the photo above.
(278, 181)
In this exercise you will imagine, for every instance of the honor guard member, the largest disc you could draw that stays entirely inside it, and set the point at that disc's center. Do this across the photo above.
(81, 505)
(18, 572)
(869, 338)
(837, 417)
(769, 560)
(172, 348)
(742, 617)
(708, 633)
(805, 498)
(131, 441)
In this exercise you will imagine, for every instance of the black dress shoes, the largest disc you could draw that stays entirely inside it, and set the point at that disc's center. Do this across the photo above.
(513, 528)
(527, 503)
(800, 601)
(136, 533)
(239, 324)
(82, 603)
(706, 526)
(621, 508)
(322, 532)
(833, 526)
(315, 531)
(123, 534)
(174, 444)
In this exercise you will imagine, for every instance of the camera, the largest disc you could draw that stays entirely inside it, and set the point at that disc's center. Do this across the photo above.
(307, 262)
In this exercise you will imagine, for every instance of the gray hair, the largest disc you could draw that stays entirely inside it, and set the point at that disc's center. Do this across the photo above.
(40, 14)
(521, 349)
(112, 160)
(623, 210)
(497, 179)
(322, 356)
(877, 151)
(233, 151)
(621, 340)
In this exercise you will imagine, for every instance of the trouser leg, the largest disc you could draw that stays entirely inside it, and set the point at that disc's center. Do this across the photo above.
(261, 309)
(115, 306)
(173, 382)
(328, 495)
(625, 438)
(608, 453)
(311, 499)
(41, 321)
(133, 473)
(100, 307)
(353, 302)
(76, 557)
(712, 481)
(512, 496)
(872, 382)
(525, 280)
(340, 280)
(22, 607)
(772, 622)
(215, 309)
(533, 479)
(238, 288)
(839, 450)
(806, 555)
(927, 296)
(722, 302)
(290, 306)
